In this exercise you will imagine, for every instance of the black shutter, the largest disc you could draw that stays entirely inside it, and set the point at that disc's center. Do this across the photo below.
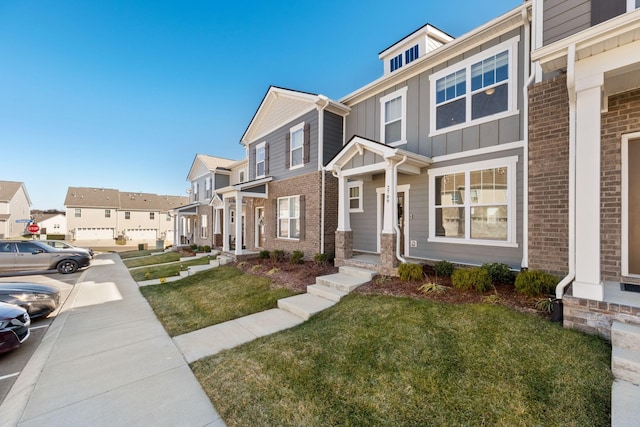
(287, 156)
(603, 10)
(266, 159)
(307, 143)
(302, 216)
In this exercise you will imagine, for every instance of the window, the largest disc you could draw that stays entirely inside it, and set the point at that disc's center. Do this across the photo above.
(168, 218)
(127, 215)
(152, 215)
(296, 153)
(107, 213)
(232, 216)
(395, 63)
(411, 54)
(203, 226)
(355, 196)
(260, 160)
(207, 188)
(196, 192)
(241, 176)
(289, 217)
(392, 118)
(78, 213)
(476, 91)
(474, 202)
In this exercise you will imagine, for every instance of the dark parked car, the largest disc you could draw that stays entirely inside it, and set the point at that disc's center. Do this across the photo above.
(38, 300)
(14, 326)
(32, 255)
(61, 244)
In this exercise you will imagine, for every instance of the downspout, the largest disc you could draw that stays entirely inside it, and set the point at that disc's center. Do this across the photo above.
(395, 209)
(571, 59)
(321, 165)
(525, 167)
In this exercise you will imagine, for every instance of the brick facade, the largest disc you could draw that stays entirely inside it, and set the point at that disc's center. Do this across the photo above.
(549, 176)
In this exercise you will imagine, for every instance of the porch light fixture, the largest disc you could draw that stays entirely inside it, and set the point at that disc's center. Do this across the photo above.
(490, 91)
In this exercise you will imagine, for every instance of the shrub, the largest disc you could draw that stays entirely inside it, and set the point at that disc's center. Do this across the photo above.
(381, 279)
(207, 248)
(499, 272)
(535, 282)
(320, 258)
(193, 247)
(433, 288)
(473, 278)
(200, 248)
(443, 268)
(297, 257)
(278, 255)
(264, 254)
(409, 272)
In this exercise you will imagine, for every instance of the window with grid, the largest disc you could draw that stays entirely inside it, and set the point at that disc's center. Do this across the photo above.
(355, 196)
(411, 54)
(127, 215)
(152, 215)
(260, 160)
(107, 213)
(289, 217)
(392, 118)
(203, 226)
(297, 146)
(395, 63)
(78, 213)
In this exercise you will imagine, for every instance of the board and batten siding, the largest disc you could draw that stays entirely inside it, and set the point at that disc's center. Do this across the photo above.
(562, 18)
(332, 136)
(364, 119)
(220, 181)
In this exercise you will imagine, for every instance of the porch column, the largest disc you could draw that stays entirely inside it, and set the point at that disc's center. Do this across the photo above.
(390, 196)
(588, 282)
(344, 220)
(225, 228)
(238, 223)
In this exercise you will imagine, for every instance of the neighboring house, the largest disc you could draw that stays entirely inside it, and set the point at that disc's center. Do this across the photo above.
(199, 222)
(584, 145)
(50, 222)
(14, 206)
(106, 214)
(288, 201)
(435, 157)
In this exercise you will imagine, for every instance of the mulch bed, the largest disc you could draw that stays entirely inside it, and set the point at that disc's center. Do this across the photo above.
(298, 276)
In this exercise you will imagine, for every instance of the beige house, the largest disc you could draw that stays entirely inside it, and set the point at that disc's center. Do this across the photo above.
(14, 206)
(50, 222)
(105, 214)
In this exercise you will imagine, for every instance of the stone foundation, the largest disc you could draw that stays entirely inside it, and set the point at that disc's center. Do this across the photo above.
(596, 317)
(388, 260)
(344, 247)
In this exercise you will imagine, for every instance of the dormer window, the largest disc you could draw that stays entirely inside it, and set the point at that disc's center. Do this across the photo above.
(411, 54)
(395, 62)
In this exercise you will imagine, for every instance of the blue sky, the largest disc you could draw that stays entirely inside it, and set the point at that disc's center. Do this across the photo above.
(124, 93)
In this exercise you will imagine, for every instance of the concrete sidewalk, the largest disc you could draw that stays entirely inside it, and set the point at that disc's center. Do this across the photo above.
(107, 361)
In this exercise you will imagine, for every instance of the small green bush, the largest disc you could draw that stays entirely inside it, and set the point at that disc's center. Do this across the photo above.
(409, 272)
(499, 272)
(535, 282)
(200, 248)
(207, 248)
(433, 288)
(443, 268)
(297, 257)
(473, 278)
(320, 258)
(264, 254)
(278, 255)
(193, 247)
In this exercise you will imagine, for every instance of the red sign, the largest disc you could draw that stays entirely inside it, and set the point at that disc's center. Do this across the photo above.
(33, 228)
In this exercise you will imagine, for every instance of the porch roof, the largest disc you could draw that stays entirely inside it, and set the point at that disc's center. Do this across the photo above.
(255, 188)
(358, 145)
(190, 208)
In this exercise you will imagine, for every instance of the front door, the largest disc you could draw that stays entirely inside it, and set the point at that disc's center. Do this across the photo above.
(260, 235)
(633, 213)
(401, 220)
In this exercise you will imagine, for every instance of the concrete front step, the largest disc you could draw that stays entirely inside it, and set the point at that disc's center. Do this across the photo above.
(363, 273)
(625, 411)
(345, 282)
(327, 292)
(305, 305)
(625, 365)
(625, 335)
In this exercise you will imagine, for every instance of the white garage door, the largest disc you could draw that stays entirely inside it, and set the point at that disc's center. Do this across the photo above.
(93, 233)
(141, 234)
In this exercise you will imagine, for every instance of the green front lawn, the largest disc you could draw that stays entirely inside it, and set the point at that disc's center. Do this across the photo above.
(381, 360)
(136, 253)
(152, 259)
(211, 297)
(166, 270)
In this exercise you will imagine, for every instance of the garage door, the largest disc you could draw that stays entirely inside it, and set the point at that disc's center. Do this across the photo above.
(93, 233)
(141, 234)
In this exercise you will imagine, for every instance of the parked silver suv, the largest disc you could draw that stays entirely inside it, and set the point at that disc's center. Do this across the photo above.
(32, 255)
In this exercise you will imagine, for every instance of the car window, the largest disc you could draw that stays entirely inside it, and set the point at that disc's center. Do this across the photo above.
(28, 247)
(7, 247)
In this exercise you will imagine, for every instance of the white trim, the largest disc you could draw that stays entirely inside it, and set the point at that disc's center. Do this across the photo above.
(631, 5)
(289, 218)
(359, 185)
(511, 164)
(511, 46)
(625, 203)
(263, 144)
(402, 94)
(479, 151)
(380, 210)
(296, 128)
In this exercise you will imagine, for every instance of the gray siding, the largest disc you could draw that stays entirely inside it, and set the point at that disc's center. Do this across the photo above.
(332, 136)
(220, 181)
(276, 141)
(364, 119)
(563, 18)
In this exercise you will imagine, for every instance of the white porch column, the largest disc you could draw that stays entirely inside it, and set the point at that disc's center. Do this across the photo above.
(344, 220)
(225, 228)
(238, 223)
(390, 196)
(588, 282)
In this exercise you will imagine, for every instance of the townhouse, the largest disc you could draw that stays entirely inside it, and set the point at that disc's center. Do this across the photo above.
(15, 205)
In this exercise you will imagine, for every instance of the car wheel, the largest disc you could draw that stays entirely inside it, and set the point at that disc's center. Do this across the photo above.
(67, 266)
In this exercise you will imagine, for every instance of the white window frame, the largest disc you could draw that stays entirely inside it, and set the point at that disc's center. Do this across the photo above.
(107, 213)
(289, 218)
(626, 138)
(78, 213)
(359, 185)
(402, 94)
(203, 226)
(510, 163)
(511, 46)
(261, 146)
(241, 175)
(296, 128)
(152, 216)
(631, 5)
(127, 214)
(207, 187)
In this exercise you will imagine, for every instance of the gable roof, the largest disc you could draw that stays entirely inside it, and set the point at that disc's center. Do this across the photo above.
(92, 197)
(281, 105)
(8, 190)
(209, 163)
(109, 198)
